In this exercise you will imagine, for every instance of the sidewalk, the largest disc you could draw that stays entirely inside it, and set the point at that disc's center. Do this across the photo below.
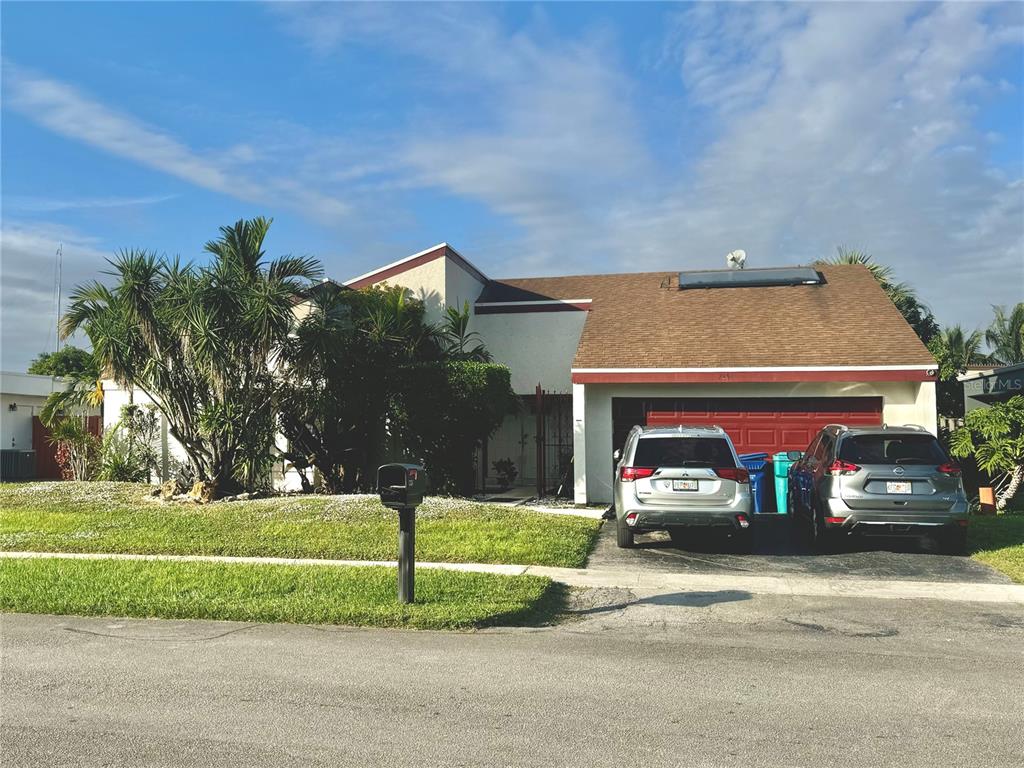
(643, 581)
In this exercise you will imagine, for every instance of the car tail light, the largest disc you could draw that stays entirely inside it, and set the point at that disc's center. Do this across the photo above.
(629, 474)
(962, 522)
(835, 520)
(742, 520)
(840, 467)
(736, 474)
(949, 468)
(631, 519)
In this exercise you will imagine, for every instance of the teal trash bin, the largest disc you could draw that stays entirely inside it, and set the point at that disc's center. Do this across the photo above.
(782, 464)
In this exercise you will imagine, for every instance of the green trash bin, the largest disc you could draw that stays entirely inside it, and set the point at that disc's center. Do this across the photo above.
(782, 463)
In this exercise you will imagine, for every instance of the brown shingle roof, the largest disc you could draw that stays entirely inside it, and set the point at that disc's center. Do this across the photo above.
(642, 320)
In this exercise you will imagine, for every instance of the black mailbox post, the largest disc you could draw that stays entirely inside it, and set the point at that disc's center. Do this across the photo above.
(401, 488)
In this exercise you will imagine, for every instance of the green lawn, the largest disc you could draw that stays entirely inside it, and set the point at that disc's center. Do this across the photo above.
(999, 542)
(272, 593)
(113, 517)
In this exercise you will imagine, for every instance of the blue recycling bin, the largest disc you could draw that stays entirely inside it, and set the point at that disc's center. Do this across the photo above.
(757, 466)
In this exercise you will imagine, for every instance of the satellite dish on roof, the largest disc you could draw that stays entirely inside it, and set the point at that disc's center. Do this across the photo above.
(736, 259)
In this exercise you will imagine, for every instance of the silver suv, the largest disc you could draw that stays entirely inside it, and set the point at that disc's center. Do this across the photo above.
(669, 478)
(883, 480)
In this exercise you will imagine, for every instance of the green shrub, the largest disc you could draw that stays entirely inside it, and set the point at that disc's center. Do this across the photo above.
(443, 411)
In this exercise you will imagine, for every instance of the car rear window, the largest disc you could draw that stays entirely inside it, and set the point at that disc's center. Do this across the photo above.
(892, 449)
(683, 452)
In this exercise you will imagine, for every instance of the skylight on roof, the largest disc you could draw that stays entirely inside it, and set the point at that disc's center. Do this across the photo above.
(749, 278)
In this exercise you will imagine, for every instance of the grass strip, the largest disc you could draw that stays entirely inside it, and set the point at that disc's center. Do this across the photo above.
(114, 518)
(361, 596)
(999, 541)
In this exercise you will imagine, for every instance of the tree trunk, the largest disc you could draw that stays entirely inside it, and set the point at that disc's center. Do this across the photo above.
(1007, 494)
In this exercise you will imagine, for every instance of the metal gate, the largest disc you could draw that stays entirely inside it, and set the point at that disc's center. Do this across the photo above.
(553, 414)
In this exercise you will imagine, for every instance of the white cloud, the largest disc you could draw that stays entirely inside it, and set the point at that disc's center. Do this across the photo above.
(29, 204)
(851, 125)
(66, 111)
(829, 124)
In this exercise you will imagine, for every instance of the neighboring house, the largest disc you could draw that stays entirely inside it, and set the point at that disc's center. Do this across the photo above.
(592, 355)
(22, 396)
(772, 364)
(985, 386)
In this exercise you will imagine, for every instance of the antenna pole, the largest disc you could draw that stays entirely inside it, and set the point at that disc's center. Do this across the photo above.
(60, 275)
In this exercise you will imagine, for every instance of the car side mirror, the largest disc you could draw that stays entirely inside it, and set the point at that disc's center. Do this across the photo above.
(794, 455)
(616, 454)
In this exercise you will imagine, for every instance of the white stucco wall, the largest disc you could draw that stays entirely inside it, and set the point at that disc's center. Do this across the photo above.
(28, 393)
(538, 347)
(16, 426)
(427, 283)
(460, 286)
(114, 397)
(902, 403)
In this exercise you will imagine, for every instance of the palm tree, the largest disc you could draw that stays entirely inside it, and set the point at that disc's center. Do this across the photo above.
(338, 377)
(198, 341)
(954, 349)
(458, 338)
(1005, 337)
(903, 295)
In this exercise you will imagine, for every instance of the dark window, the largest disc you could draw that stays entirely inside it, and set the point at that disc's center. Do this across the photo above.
(892, 449)
(828, 442)
(813, 450)
(683, 452)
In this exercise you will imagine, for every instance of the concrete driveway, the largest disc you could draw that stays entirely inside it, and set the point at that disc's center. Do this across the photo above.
(777, 552)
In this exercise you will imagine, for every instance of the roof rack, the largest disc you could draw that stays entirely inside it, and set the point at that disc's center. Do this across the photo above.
(840, 427)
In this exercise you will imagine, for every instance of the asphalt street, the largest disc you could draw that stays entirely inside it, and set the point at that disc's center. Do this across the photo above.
(699, 679)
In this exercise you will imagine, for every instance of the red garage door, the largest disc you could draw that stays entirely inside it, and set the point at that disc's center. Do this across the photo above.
(756, 425)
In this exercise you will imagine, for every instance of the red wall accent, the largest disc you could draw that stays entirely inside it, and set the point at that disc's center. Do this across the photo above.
(405, 266)
(510, 309)
(46, 454)
(706, 377)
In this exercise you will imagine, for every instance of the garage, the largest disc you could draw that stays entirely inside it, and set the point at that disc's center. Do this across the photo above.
(755, 424)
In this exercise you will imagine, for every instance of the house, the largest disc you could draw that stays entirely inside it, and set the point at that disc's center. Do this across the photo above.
(770, 355)
(983, 386)
(22, 396)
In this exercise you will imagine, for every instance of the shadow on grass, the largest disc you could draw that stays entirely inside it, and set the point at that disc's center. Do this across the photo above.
(550, 609)
(996, 532)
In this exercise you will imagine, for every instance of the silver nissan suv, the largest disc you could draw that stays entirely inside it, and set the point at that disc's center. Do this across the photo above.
(892, 481)
(671, 478)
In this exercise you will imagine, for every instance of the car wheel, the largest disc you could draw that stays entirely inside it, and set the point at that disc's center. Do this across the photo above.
(795, 514)
(953, 540)
(623, 534)
(823, 541)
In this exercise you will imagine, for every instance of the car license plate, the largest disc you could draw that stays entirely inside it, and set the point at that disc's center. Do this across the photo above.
(684, 485)
(898, 487)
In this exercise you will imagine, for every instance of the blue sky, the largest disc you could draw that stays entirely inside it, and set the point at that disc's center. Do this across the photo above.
(536, 138)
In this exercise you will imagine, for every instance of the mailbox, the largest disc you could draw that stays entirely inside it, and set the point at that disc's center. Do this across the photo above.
(401, 485)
